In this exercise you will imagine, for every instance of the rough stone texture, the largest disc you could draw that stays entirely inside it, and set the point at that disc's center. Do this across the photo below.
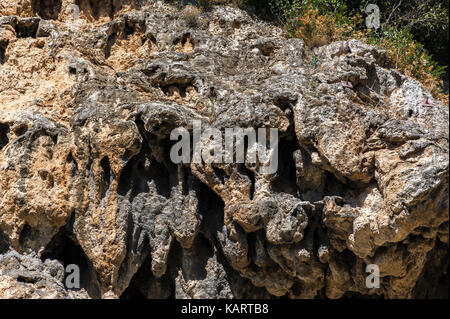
(86, 111)
(26, 276)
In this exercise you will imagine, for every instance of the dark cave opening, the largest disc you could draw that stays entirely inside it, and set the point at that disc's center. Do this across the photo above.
(284, 103)
(180, 87)
(152, 42)
(20, 129)
(130, 28)
(4, 243)
(72, 70)
(27, 28)
(257, 250)
(149, 166)
(144, 285)
(62, 248)
(251, 176)
(27, 234)
(27, 280)
(359, 296)
(201, 251)
(137, 174)
(219, 174)
(211, 207)
(73, 165)
(67, 251)
(186, 179)
(3, 46)
(132, 292)
(333, 186)
(434, 280)
(184, 40)
(95, 9)
(98, 6)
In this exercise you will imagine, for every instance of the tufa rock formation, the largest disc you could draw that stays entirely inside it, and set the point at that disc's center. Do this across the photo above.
(89, 93)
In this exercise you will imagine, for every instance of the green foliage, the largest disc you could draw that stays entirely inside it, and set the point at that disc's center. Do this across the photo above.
(426, 20)
(337, 8)
(286, 12)
(205, 4)
(414, 33)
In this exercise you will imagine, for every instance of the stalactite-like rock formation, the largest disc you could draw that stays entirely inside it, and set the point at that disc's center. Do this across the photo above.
(89, 93)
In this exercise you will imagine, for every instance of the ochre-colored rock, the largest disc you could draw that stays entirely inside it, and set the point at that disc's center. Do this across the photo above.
(89, 94)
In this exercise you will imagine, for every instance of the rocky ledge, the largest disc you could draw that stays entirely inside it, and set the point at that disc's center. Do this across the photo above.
(89, 94)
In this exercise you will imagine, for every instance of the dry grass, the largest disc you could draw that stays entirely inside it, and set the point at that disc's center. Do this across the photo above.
(191, 15)
(403, 53)
(317, 30)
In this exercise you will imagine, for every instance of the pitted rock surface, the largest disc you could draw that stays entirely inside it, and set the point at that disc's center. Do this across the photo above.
(87, 105)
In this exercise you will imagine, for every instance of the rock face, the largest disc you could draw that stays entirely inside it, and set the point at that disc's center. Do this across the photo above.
(89, 94)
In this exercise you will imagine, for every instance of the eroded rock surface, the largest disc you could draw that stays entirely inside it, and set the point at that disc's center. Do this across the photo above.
(87, 104)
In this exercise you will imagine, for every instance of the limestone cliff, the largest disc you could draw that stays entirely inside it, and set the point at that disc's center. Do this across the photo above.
(89, 93)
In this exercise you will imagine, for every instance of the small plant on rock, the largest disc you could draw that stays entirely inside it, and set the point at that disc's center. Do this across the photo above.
(191, 15)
